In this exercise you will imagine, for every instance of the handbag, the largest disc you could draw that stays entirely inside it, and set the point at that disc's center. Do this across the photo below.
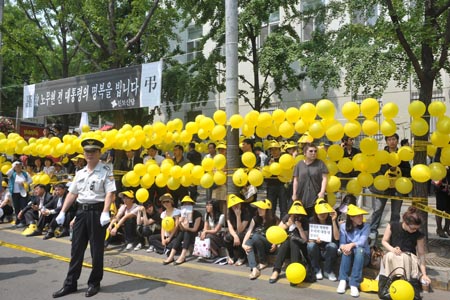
(376, 256)
(202, 248)
(384, 283)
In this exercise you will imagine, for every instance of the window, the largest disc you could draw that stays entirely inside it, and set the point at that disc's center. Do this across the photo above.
(193, 41)
(269, 27)
(312, 20)
(366, 17)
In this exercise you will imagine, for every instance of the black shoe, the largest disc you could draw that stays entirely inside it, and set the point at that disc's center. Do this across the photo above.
(64, 291)
(62, 234)
(92, 290)
(35, 233)
(20, 225)
(49, 235)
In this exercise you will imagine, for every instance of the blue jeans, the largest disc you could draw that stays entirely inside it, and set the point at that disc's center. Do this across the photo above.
(352, 265)
(329, 255)
(378, 205)
(261, 245)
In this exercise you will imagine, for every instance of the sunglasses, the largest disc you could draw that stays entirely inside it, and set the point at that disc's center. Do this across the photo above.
(312, 151)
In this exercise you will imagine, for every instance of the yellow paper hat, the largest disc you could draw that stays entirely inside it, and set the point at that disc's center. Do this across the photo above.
(306, 138)
(290, 145)
(263, 204)
(354, 210)
(129, 194)
(322, 207)
(233, 200)
(297, 209)
(187, 199)
(274, 144)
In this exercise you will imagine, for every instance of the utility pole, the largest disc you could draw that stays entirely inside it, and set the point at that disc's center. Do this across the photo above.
(232, 105)
(2, 5)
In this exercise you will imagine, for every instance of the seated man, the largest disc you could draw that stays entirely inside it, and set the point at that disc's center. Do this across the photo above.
(51, 211)
(6, 208)
(126, 216)
(31, 212)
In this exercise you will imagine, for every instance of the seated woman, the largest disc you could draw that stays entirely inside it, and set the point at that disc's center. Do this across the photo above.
(255, 241)
(406, 246)
(159, 242)
(188, 228)
(148, 223)
(319, 250)
(213, 224)
(354, 245)
(296, 223)
(126, 217)
(238, 221)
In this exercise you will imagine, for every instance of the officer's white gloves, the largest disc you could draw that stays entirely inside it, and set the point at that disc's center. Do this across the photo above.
(104, 218)
(60, 218)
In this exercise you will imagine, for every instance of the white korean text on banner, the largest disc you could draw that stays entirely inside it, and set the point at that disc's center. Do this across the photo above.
(131, 87)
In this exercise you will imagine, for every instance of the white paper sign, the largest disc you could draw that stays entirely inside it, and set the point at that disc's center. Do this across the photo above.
(324, 232)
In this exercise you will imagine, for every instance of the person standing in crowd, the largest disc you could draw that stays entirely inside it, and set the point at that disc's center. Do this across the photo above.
(179, 160)
(354, 245)
(152, 154)
(276, 190)
(19, 180)
(378, 204)
(155, 192)
(38, 167)
(247, 146)
(211, 153)
(406, 247)
(442, 191)
(310, 179)
(319, 250)
(195, 158)
(93, 188)
(349, 151)
(128, 163)
(262, 156)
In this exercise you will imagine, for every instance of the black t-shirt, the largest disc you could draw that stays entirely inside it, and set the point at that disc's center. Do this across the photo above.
(261, 226)
(245, 216)
(405, 240)
(303, 220)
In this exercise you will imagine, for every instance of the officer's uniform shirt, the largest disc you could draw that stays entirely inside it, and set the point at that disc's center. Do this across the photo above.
(92, 187)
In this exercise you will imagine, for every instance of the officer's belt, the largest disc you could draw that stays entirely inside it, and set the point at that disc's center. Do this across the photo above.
(91, 206)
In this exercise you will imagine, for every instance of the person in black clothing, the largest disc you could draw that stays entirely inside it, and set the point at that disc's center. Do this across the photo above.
(276, 190)
(195, 158)
(37, 204)
(442, 191)
(52, 209)
(178, 160)
(349, 152)
(378, 204)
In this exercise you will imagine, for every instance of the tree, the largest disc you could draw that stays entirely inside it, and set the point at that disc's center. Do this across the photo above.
(271, 51)
(384, 40)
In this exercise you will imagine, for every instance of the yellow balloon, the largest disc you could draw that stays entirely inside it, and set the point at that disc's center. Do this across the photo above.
(255, 177)
(276, 235)
(44, 179)
(186, 181)
(394, 160)
(350, 110)
(295, 273)
(354, 187)
(292, 115)
(203, 133)
(369, 145)
(286, 129)
(401, 290)
(286, 161)
(176, 171)
(437, 171)
(240, 178)
(390, 110)
(252, 118)
(352, 128)
(370, 108)
(325, 109)
(266, 172)
(153, 169)
(335, 132)
(207, 124)
(316, 129)
(168, 224)
(308, 112)
(192, 128)
(220, 161)
(365, 179)
(416, 109)
(218, 133)
(331, 166)
(301, 126)
(248, 131)
(405, 153)
(381, 183)
(335, 152)
(443, 125)
(208, 164)
(334, 184)
(388, 127)
(248, 159)
(275, 168)
(278, 116)
(132, 178)
(264, 120)
(139, 169)
(161, 180)
(419, 126)
(382, 157)
(220, 178)
(437, 108)
(147, 181)
(370, 127)
(331, 198)
(403, 185)
(420, 173)
(85, 128)
(439, 139)
(262, 132)
(142, 195)
(220, 117)
(207, 181)
(345, 165)
(197, 172)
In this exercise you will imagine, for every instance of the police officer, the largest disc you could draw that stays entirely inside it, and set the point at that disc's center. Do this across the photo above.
(93, 188)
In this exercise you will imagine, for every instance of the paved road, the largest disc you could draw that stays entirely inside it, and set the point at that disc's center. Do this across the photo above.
(31, 268)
